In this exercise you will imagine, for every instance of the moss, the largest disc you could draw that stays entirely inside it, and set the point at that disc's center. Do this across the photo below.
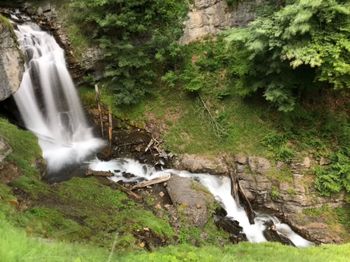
(25, 147)
(89, 190)
(284, 174)
(275, 194)
(336, 218)
(5, 22)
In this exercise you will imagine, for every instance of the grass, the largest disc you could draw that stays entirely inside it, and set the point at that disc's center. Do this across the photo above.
(25, 147)
(236, 125)
(82, 209)
(15, 245)
(336, 218)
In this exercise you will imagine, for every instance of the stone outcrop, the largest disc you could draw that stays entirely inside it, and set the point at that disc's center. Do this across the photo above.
(202, 164)
(191, 199)
(208, 17)
(286, 191)
(11, 62)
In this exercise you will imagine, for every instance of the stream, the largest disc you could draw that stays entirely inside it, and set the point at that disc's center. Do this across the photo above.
(50, 107)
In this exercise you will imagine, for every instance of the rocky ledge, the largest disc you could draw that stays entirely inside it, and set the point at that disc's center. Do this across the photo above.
(11, 61)
(285, 191)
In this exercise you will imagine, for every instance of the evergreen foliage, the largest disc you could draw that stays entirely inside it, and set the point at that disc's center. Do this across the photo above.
(138, 39)
(304, 45)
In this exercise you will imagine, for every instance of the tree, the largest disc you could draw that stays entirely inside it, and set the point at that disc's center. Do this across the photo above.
(304, 45)
(138, 38)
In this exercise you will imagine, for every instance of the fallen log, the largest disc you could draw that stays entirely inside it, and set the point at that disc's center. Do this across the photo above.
(129, 192)
(157, 180)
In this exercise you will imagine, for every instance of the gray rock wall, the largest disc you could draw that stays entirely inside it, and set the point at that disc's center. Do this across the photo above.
(11, 62)
(208, 17)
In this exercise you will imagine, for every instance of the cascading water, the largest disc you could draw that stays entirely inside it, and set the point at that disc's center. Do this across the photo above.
(219, 186)
(56, 117)
(50, 108)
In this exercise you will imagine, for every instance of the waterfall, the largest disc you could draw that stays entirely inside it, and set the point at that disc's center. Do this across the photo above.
(50, 108)
(49, 103)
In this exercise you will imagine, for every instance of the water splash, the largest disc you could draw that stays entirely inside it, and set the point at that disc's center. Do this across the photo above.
(49, 103)
(219, 187)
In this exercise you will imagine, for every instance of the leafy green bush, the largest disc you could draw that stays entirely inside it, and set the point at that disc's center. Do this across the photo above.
(304, 45)
(139, 40)
(335, 177)
(278, 144)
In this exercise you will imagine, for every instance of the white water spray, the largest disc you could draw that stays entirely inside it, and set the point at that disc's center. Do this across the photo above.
(219, 187)
(56, 116)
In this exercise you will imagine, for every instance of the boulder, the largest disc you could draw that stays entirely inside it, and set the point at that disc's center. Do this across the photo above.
(202, 164)
(192, 201)
(271, 234)
(11, 61)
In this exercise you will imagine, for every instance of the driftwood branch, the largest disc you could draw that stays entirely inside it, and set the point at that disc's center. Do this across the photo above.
(110, 128)
(149, 145)
(157, 180)
(99, 108)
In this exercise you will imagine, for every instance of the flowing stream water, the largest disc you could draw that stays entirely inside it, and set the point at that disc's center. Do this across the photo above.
(50, 107)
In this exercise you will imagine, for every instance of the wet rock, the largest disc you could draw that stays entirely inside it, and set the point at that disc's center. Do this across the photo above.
(271, 234)
(191, 199)
(231, 227)
(202, 164)
(11, 62)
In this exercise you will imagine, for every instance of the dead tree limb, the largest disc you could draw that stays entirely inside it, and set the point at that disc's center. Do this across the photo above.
(157, 180)
(217, 127)
(99, 108)
(110, 128)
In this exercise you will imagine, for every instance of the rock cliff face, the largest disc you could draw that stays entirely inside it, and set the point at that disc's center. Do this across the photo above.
(208, 17)
(288, 196)
(11, 62)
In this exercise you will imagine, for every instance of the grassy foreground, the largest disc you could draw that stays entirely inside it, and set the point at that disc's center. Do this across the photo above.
(16, 246)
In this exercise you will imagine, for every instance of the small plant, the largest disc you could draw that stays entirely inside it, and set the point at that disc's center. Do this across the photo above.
(275, 194)
(278, 144)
